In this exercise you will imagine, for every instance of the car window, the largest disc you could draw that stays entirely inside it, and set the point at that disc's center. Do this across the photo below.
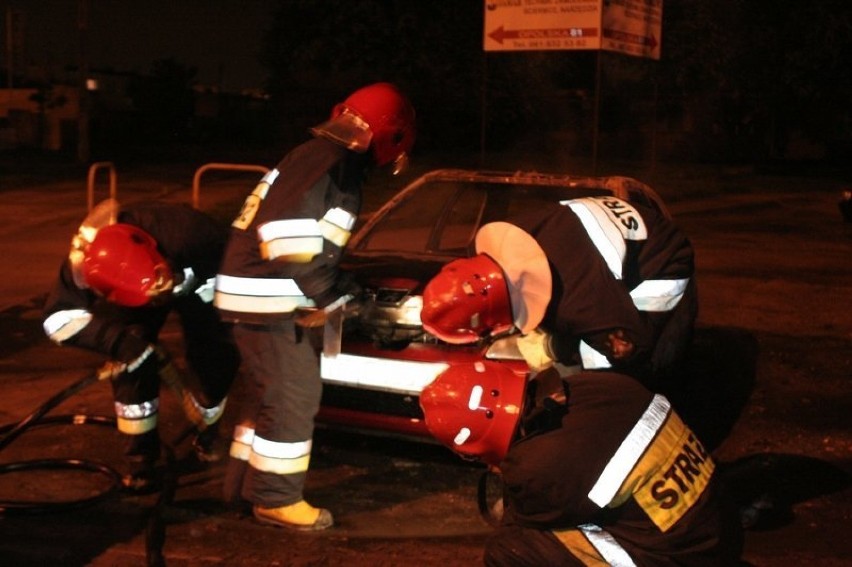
(442, 217)
(409, 227)
(462, 218)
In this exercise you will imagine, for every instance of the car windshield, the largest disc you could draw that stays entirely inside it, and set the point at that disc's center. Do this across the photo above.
(441, 217)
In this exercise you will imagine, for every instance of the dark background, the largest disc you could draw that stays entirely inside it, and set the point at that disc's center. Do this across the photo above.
(738, 81)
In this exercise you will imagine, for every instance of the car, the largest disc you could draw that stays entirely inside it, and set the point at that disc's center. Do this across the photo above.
(376, 356)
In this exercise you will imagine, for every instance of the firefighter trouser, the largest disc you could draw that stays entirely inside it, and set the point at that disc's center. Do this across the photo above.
(523, 547)
(272, 440)
(210, 353)
(210, 350)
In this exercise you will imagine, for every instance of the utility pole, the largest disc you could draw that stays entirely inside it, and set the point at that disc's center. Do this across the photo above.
(83, 145)
(10, 50)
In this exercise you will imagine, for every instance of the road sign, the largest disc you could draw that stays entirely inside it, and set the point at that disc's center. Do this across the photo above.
(626, 26)
(632, 27)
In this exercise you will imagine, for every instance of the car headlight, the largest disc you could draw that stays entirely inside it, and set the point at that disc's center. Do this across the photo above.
(408, 313)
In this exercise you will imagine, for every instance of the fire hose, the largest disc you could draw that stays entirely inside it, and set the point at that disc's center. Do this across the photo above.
(155, 531)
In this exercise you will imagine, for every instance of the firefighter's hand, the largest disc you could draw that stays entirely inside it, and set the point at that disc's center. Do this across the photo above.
(535, 348)
(619, 345)
(310, 318)
(317, 317)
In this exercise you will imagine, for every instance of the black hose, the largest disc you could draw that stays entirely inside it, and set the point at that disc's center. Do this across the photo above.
(36, 419)
(486, 510)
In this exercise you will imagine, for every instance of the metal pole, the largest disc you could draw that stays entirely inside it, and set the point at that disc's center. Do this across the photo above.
(597, 113)
(483, 109)
(10, 49)
(83, 148)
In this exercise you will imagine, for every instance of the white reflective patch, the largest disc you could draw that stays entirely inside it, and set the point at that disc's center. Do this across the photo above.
(188, 281)
(607, 240)
(591, 358)
(340, 217)
(63, 325)
(475, 397)
(137, 411)
(607, 546)
(249, 304)
(334, 234)
(271, 287)
(208, 415)
(270, 178)
(462, 436)
(280, 450)
(207, 290)
(630, 451)
(658, 295)
(290, 228)
(399, 376)
(244, 434)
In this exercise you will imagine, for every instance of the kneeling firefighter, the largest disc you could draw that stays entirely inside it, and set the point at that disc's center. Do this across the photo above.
(596, 469)
(128, 269)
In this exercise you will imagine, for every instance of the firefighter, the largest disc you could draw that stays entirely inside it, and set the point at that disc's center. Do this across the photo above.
(595, 468)
(280, 276)
(128, 269)
(596, 282)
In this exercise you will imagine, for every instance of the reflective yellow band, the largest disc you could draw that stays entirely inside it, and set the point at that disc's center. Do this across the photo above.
(241, 443)
(293, 240)
(136, 426)
(334, 234)
(580, 547)
(672, 475)
(279, 466)
(279, 457)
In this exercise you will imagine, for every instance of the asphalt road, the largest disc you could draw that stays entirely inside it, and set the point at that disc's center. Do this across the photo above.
(770, 392)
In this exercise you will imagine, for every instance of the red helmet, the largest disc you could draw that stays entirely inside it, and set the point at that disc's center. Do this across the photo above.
(474, 409)
(123, 264)
(377, 116)
(468, 299)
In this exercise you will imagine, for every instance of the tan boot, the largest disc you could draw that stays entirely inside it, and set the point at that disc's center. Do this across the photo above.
(298, 516)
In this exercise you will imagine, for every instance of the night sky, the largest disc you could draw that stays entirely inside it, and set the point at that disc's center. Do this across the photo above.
(214, 36)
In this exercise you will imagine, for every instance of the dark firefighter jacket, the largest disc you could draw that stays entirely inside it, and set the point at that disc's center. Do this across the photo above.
(622, 464)
(286, 243)
(189, 240)
(615, 266)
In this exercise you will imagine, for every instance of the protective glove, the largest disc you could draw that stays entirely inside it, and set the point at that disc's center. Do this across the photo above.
(535, 348)
(317, 317)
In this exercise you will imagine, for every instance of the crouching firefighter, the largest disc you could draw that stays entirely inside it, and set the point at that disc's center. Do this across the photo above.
(595, 468)
(128, 269)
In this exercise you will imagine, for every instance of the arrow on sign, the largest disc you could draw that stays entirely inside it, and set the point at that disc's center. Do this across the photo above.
(501, 34)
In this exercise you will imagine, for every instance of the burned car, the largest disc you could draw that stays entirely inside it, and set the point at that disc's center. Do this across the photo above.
(377, 358)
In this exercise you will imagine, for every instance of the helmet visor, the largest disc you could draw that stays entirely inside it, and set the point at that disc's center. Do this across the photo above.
(347, 129)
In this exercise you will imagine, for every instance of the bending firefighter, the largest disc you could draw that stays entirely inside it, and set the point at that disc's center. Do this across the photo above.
(596, 469)
(128, 269)
(280, 275)
(596, 282)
